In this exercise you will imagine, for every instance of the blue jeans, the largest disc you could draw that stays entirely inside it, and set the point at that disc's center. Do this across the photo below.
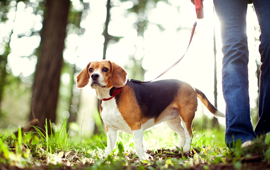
(232, 15)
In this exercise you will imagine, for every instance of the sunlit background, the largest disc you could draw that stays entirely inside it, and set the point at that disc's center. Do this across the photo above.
(164, 41)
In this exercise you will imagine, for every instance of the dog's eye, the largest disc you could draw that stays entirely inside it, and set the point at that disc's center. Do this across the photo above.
(105, 69)
(91, 70)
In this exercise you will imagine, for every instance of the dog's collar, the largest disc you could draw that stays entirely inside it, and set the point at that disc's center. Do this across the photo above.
(113, 95)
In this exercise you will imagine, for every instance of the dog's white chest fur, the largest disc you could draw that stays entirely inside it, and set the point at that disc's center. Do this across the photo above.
(112, 118)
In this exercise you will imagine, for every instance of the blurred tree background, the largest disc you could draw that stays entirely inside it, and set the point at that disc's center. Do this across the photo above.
(45, 43)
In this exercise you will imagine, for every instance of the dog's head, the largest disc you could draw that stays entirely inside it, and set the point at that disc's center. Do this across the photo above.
(102, 74)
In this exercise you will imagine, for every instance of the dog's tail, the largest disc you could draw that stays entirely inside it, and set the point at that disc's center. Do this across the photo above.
(208, 105)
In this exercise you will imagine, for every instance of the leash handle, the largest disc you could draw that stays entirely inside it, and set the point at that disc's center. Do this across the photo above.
(199, 8)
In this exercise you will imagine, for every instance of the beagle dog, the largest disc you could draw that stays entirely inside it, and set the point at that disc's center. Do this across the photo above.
(132, 106)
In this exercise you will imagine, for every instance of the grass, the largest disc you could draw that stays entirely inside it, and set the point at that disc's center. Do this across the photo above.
(208, 150)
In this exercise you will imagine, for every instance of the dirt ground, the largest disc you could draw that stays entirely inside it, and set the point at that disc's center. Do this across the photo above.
(255, 162)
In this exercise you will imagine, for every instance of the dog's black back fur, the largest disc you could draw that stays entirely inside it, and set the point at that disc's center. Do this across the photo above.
(154, 97)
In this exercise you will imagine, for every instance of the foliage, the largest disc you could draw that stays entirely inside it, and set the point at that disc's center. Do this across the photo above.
(58, 150)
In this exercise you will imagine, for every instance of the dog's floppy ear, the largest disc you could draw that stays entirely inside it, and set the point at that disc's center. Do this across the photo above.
(118, 75)
(83, 77)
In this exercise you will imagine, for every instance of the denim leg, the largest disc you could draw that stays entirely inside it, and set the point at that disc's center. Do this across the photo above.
(262, 8)
(232, 15)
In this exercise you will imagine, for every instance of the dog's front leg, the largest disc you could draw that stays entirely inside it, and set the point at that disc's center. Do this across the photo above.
(111, 141)
(138, 141)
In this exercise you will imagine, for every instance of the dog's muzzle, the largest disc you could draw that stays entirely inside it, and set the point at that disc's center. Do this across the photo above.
(95, 80)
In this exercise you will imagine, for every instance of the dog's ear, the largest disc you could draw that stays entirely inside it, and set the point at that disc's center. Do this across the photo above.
(83, 77)
(118, 75)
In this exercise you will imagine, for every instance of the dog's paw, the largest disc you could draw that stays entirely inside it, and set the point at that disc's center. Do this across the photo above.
(146, 157)
(186, 148)
(182, 143)
(142, 158)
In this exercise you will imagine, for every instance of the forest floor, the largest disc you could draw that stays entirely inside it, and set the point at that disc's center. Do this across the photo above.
(254, 162)
(60, 151)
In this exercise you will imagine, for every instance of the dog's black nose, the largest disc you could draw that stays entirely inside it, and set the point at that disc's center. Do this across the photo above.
(95, 76)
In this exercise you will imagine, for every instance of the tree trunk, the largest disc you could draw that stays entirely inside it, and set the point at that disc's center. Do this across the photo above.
(3, 75)
(45, 90)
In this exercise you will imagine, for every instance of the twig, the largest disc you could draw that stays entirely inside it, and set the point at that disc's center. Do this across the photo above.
(28, 127)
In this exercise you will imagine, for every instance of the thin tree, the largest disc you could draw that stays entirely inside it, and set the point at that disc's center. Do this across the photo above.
(74, 101)
(106, 35)
(108, 38)
(215, 123)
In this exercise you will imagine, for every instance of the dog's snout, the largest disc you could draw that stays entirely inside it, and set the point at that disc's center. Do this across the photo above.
(95, 76)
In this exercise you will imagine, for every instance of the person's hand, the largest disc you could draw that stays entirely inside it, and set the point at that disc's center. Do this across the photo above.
(202, 0)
